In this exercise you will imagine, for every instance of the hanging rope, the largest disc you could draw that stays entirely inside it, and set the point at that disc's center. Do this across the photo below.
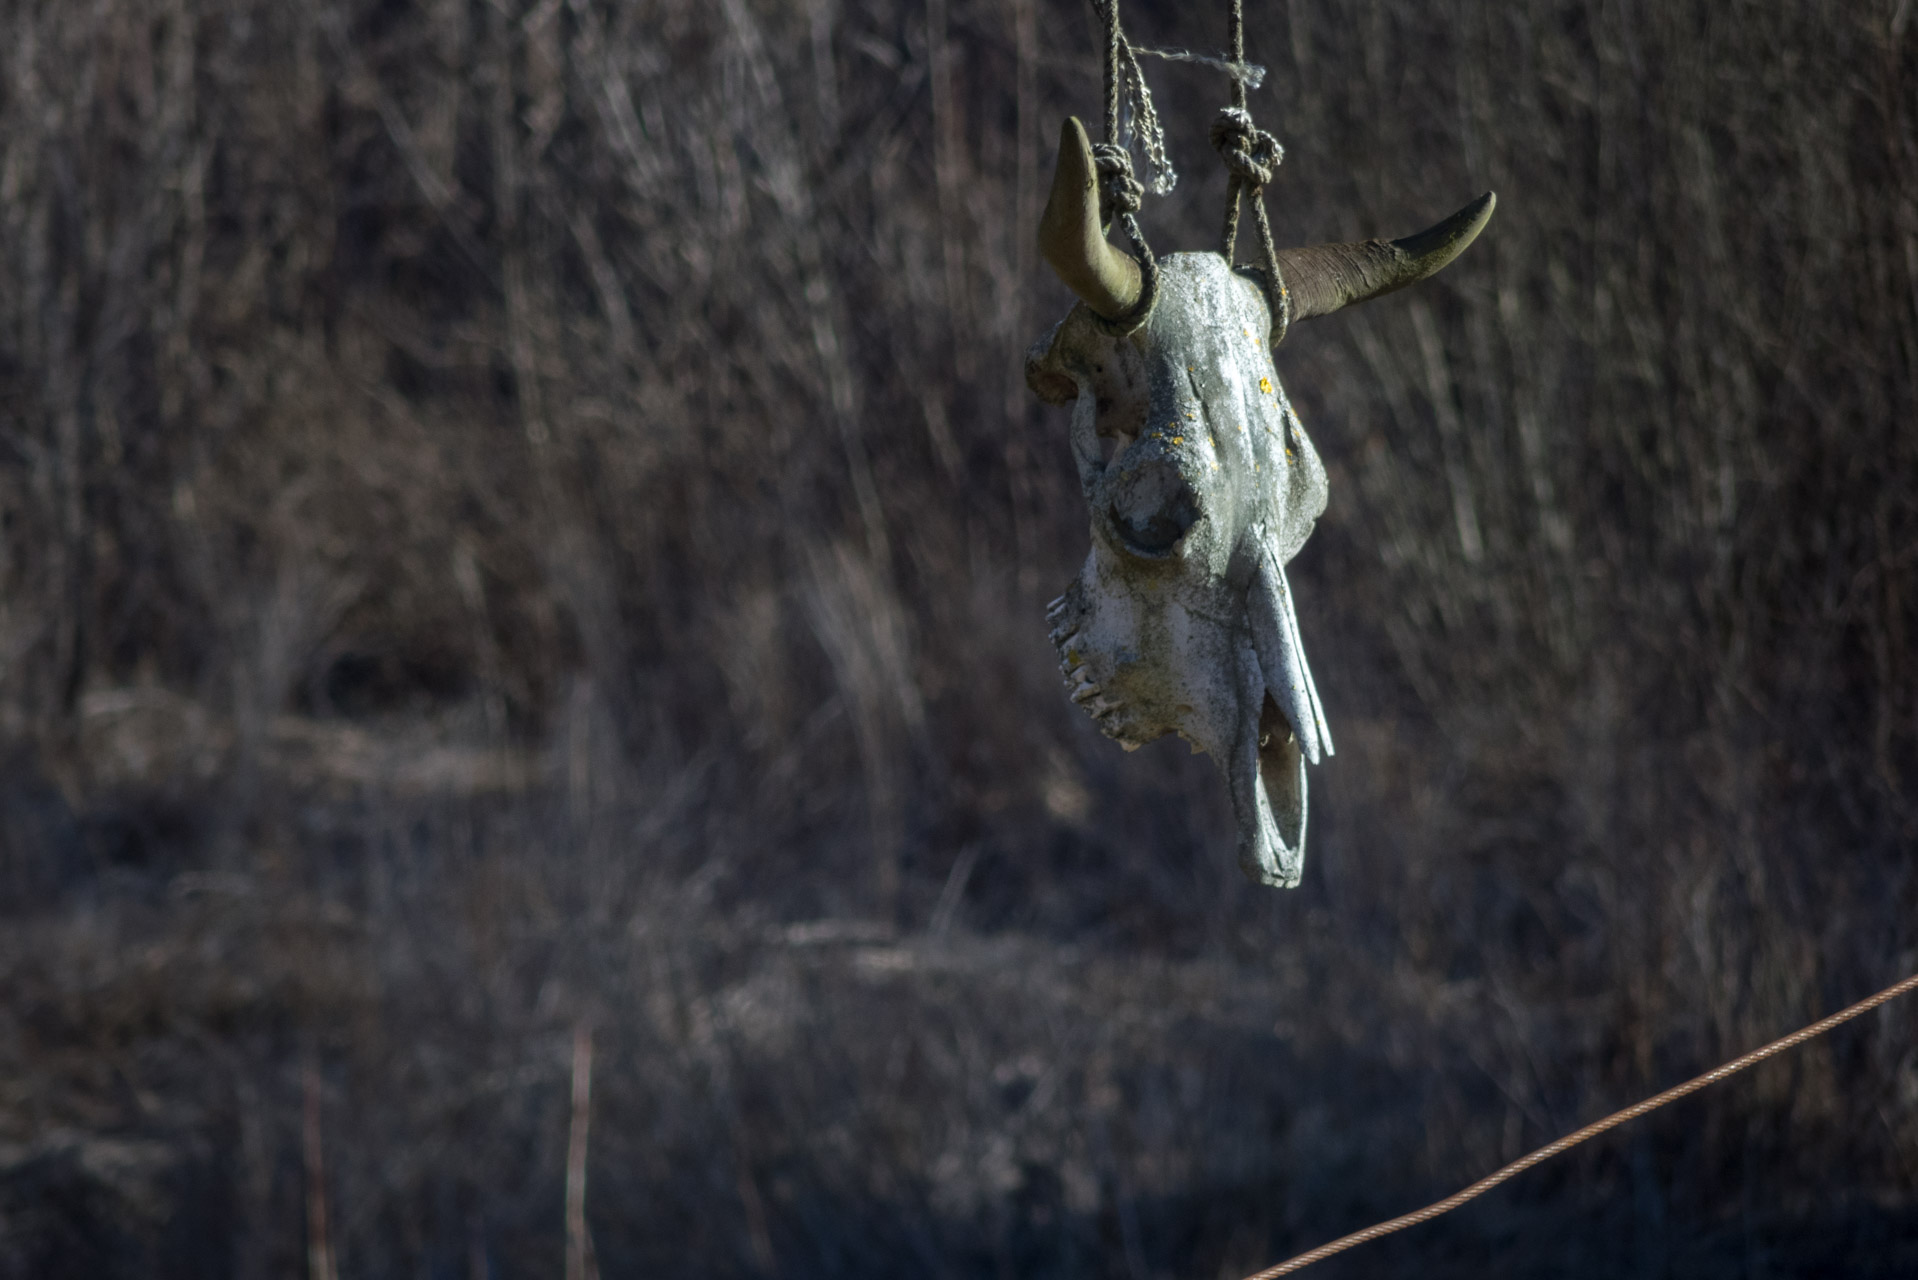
(1612, 1121)
(1251, 157)
(1120, 194)
(1135, 114)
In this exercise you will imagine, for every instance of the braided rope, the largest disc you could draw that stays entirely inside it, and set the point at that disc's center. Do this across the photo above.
(1251, 156)
(1612, 1121)
(1115, 59)
(1120, 193)
(1130, 114)
(1235, 44)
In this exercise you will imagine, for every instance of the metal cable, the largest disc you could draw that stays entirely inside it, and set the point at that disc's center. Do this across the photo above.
(1612, 1121)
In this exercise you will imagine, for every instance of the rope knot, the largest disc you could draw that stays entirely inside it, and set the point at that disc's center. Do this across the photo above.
(1119, 191)
(1250, 153)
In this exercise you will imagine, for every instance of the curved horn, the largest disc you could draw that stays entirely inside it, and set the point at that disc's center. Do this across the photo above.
(1325, 277)
(1071, 239)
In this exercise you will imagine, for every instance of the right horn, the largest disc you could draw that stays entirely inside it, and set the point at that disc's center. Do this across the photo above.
(1324, 277)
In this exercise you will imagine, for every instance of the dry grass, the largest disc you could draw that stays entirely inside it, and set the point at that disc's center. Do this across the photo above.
(520, 513)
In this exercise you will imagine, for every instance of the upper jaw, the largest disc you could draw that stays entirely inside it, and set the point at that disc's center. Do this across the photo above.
(1085, 684)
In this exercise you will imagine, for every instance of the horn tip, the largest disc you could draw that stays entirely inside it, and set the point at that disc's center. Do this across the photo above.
(1073, 182)
(1075, 155)
(1071, 238)
(1471, 220)
(1437, 245)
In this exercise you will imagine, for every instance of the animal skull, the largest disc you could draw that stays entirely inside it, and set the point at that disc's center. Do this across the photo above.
(1201, 485)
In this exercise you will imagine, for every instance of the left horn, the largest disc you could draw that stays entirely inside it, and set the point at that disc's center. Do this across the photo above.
(1072, 240)
(1325, 277)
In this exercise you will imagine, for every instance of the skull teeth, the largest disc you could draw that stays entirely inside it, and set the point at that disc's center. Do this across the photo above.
(1066, 614)
(1091, 697)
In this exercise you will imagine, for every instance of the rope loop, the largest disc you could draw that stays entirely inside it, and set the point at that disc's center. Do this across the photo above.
(1251, 156)
(1121, 194)
(1119, 191)
(1249, 152)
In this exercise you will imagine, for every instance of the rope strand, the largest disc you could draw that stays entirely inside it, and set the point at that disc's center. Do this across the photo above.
(1612, 1121)
(1113, 63)
(1251, 157)
(1235, 47)
(1129, 111)
(1120, 193)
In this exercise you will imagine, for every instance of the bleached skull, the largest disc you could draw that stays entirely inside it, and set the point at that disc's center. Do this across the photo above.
(1202, 485)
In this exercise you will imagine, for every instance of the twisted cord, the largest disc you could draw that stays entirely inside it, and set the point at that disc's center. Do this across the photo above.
(1251, 156)
(1235, 47)
(1236, 33)
(1612, 1121)
(1128, 102)
(1120, 193)
(1276, 292)
(1115, 53)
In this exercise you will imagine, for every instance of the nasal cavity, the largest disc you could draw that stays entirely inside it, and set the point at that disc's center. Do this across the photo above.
(1152, 506)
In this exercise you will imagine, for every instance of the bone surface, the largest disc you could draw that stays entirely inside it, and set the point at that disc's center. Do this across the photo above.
(1202, 485)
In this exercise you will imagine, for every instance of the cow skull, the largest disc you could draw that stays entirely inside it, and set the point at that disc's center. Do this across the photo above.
(1201, 485)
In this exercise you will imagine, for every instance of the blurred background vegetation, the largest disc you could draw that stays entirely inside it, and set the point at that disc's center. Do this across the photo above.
(519, 514)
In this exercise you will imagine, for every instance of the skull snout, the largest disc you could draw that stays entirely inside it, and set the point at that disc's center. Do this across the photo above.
(1151, 504)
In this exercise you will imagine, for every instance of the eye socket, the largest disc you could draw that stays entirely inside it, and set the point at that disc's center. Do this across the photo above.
(1052, 388)
(1112, 444)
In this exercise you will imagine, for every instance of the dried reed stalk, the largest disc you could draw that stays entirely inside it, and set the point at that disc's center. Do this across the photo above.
(580, 1262)
(319, 1242)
